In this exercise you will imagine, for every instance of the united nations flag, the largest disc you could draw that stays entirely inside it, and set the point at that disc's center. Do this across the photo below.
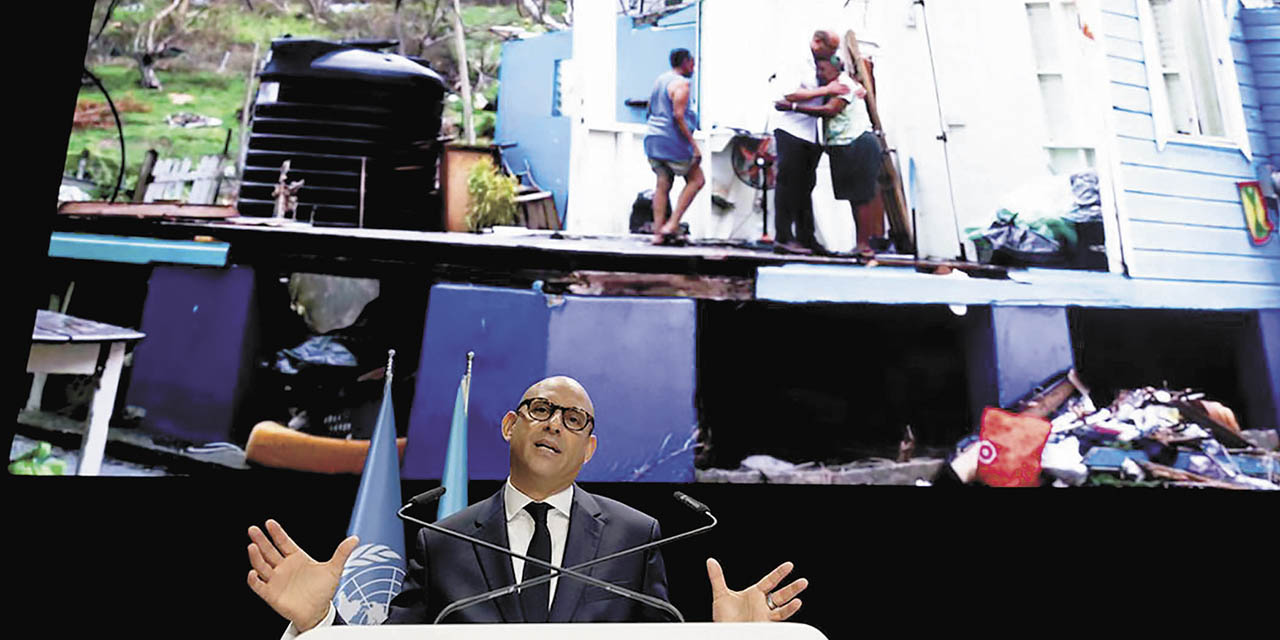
(375, 572)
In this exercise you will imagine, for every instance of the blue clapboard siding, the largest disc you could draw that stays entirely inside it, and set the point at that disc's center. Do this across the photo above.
(1185, 217)
(1261, 33)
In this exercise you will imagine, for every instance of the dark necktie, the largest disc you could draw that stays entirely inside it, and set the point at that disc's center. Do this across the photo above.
(535, 599)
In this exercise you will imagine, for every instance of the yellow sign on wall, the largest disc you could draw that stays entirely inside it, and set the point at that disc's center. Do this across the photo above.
(1256, 219)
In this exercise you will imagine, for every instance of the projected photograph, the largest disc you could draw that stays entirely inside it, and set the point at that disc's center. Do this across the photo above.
(1009, 243)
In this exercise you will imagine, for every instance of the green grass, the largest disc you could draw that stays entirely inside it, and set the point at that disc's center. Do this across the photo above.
(216, 95)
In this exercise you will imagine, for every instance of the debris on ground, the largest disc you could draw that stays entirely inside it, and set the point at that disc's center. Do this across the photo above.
(764, 469)
(1146, 437)
(189, 120)
(39, 461)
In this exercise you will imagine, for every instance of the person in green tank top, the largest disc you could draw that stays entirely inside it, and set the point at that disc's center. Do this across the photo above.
(851, 144)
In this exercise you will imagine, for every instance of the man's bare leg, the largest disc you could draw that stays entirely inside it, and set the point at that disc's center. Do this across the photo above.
(661, 199)
(692, 185)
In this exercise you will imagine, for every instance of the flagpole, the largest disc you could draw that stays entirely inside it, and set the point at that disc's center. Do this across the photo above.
(391, 358)
(466, 384)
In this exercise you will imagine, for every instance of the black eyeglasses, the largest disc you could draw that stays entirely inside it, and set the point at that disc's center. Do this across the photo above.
(542, 410)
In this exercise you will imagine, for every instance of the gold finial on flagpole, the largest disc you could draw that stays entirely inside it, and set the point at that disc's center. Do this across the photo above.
(391, 357)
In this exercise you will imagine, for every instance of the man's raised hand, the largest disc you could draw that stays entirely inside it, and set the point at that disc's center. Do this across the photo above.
(757, 603)
(290, 581)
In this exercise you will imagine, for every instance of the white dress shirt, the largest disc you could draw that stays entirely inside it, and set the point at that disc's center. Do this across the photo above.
(520, 527)
(519, 535)
(801, 73)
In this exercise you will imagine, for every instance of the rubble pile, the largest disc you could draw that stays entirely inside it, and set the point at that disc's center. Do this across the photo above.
(1147, 437)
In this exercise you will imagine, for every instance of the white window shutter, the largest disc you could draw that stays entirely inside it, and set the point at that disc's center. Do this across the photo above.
(1219, 28)
(1155, 74)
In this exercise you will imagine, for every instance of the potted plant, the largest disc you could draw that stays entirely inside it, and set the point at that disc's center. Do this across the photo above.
(493, 196)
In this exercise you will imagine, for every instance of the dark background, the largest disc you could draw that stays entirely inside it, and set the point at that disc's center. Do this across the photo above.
(152, 557)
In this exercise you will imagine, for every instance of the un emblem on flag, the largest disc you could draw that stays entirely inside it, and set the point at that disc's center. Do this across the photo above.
(370, 579)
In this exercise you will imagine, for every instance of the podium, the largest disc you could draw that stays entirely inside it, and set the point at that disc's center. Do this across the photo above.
(611, 630)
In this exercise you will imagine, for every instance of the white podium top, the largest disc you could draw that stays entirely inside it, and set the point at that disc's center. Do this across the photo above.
(612, 630)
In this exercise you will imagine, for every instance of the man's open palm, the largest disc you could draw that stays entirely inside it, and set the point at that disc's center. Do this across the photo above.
(295, 585)
(752, 604)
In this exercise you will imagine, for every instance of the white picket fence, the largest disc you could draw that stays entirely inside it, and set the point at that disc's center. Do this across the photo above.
(170, 177)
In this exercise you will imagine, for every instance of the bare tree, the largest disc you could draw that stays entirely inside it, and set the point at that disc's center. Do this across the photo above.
(172, 23)
(320, 7)
(460, 48)
(537, 9)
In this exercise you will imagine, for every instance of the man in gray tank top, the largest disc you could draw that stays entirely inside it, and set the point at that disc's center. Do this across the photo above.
(669, 145)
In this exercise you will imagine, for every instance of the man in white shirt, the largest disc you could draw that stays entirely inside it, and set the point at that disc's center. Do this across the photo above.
(799, 145)
(539, 512)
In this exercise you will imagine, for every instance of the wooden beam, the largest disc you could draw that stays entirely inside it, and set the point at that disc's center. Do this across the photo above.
(146, 210)
(666, 285)
(894, 197)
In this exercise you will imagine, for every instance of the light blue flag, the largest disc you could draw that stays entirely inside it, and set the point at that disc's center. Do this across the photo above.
(375, 572)
(455, 460)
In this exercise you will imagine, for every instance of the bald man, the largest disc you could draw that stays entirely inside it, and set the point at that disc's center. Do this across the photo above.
(799, 144)
(551, 434)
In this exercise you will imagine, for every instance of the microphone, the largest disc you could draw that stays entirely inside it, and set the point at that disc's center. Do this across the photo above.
(434, 494)
(502, 591)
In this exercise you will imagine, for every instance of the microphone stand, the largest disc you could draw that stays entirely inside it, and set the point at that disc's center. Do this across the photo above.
(497, 593)
(611, 588)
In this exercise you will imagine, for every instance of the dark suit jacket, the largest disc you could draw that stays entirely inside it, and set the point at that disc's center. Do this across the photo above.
(444, 569)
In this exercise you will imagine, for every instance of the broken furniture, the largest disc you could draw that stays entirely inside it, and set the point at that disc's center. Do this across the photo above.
(63, 344)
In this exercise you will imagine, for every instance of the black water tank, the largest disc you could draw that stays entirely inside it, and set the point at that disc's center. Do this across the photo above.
(330, 107)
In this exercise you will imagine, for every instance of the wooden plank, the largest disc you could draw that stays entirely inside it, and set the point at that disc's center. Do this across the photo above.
(134, 250)
(1266, 79)
(1253, 121)
(147, 210)
(1251, 97)
(1124, 48)
(1134, 125)
(1207, 268)
(1163, 208)
(78, 359)
(608, 283)
(1260, 16)
(204, 186)
(1179, 183)
(1130, 98)
(807, 283)
(1126, 71)
(1175, 237)
(1263, 63)
(1121, 8)
(1180, 156)
(1240, 51)
(81, 329)
(1261, 32)
(177, 188)
(144, 175)
(1265, 48)
(94, 444)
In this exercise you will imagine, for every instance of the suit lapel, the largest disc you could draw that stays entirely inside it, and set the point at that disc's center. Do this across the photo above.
(491, 526)
(581, 545)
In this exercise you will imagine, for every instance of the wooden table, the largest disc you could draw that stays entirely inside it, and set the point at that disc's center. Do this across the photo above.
(64, 344)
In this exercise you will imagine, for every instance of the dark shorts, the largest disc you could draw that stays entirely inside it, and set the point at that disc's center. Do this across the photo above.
(670, 167)
(855, 169)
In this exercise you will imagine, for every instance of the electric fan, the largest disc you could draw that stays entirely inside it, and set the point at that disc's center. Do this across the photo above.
(753, 163)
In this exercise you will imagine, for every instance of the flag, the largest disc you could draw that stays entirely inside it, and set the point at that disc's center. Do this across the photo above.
(1257, 223)
(454, 478)
(375, 572)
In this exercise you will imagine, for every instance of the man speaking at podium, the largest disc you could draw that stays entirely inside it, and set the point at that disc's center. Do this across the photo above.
(539, 512)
